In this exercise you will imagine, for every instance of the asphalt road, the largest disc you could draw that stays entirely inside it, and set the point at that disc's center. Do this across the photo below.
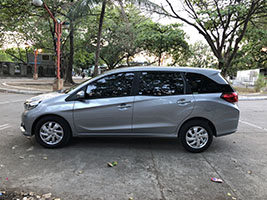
(147, 168)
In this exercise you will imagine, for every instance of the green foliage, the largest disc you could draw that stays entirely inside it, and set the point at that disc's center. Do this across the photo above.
(4, 56)
(13, 13)
(83, 59)
(222, 23)
(261, 83)
(122, 37)
(250, 55)
(158, 39)
(119, 35)
(15, 54)
(200, 56)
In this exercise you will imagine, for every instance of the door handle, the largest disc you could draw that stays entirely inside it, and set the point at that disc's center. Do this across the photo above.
(184, 102)
(124, 105)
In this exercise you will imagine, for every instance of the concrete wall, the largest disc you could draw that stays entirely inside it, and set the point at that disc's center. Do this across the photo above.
(20, 69)
(42, 59)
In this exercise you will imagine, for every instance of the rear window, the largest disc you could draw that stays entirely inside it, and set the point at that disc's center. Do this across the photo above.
(200, 84)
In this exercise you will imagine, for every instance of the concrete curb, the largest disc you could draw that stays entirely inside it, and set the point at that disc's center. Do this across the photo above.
(6, 85)
(18, 91)
(249, 98)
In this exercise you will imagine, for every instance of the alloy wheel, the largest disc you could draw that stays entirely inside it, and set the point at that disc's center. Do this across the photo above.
(51, 133)
(197, 137)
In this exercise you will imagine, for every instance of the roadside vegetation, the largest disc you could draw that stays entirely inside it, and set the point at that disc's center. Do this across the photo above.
(261, 83)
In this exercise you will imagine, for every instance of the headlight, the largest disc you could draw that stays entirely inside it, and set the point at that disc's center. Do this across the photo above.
(28, 105)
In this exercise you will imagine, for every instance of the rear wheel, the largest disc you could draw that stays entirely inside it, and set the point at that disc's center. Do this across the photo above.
(196, 136)
(52, 132)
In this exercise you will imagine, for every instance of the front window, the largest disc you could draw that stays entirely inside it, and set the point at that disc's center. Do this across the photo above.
(66, 91)
(115, 85)
(161, 84)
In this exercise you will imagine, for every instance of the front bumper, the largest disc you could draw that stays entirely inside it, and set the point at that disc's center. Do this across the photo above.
(23, 130)
(26, 124)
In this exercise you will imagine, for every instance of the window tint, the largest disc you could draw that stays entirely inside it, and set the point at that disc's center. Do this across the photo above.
(115, 85)
(200, 84)
(160, 83)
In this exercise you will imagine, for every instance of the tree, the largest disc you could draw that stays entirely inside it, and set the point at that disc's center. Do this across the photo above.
(119, 39)
(99, 32)
(72, 12)
(158, 39)
(101, 19)
(251, 55)
(39, 30)
(201, 56)
(17, 54)
(83, 58)
(4, 56)
(222, 23)
(12, 14)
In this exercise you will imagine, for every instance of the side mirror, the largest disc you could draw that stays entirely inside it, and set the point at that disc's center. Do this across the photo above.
(80, 95)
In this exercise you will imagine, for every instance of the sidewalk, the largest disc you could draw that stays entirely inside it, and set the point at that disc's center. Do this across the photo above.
(44, 85)
(30, 86)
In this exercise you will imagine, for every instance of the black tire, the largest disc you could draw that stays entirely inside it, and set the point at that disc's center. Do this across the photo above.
(196, 126)
(65, 136)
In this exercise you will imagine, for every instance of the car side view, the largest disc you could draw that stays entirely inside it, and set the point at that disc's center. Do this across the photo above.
(190, 104)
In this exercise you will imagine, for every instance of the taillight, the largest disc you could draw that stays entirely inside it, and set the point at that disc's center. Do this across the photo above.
(231, 97)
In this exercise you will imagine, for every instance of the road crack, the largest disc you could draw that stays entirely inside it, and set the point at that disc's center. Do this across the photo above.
(233, 191)
(156, 171)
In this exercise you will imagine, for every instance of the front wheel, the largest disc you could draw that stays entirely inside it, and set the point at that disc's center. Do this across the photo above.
(196, 136)
(52, 132)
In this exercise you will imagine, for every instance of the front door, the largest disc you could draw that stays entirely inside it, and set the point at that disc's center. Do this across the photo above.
(107, 107)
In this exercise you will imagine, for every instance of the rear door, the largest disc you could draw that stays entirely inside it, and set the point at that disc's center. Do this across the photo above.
(209, 104)
(161, 103)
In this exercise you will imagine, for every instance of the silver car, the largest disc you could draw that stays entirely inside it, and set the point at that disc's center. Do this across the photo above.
(191, 104)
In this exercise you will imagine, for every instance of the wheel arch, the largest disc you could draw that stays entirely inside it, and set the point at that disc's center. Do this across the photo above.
(47, 115)
(211, 125)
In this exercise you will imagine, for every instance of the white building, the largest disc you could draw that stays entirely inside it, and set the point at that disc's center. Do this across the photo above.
(249, 77)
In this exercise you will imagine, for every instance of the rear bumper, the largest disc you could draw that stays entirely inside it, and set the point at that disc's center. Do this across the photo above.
(226, 133)
(228, 124)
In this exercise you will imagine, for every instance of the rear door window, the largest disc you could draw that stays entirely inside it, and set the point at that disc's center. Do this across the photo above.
(200, 84)
(160, 84)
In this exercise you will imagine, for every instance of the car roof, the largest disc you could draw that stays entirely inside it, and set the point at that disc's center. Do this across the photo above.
(205, 71)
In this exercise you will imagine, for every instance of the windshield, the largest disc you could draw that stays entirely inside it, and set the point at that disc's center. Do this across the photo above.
(67, 90)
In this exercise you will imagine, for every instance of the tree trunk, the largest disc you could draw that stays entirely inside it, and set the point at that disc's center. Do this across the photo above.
(128, 60)
(68, 70)
(223, 68)
(159, 61)
(101, 19)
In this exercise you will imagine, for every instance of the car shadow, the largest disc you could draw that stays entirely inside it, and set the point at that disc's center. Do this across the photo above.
(170, 145)
(125, 142)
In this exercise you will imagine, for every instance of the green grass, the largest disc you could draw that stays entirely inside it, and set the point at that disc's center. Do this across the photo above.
(242, 90)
